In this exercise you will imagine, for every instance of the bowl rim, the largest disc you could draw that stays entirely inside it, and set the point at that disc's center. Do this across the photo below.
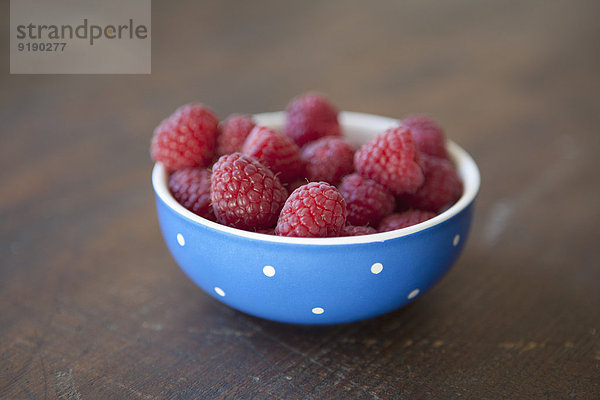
(466, 166)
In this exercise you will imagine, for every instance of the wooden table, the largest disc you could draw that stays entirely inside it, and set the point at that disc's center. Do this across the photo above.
(94, 307)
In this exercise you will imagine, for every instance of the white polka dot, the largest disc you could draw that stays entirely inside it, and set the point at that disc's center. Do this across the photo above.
(219, 291)
(456, 240)
(180, 239)
(268, 270)
(413, 294)
(376, 268)
(318, 310)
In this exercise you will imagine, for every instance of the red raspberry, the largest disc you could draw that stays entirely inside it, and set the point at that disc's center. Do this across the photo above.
(351, 230)
(266, 231)
(244, 193)
(234, 131)
(367, 201)
(392, 160)
(404, 219)
(328, 159)
(191, 188)
(441, 189)
(316, 209)
(428, 135)
(276, 151)
(310, 117)
(186, 139)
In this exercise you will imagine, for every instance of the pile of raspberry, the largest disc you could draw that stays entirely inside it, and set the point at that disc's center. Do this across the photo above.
(306, 180)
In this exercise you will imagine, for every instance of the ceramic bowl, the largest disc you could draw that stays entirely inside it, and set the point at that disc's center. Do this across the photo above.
(318, 280)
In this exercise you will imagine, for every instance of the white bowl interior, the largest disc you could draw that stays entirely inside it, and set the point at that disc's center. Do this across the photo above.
(358, 128)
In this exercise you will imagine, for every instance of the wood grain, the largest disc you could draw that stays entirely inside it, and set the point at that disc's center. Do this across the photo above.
(94, 307)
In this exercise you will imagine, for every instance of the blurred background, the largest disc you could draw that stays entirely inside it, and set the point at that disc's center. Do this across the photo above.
(86, 282)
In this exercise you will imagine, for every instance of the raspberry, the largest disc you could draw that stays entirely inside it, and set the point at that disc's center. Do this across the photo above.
(404, 219)
(244, 193)
(441, 189)
(191, 188)
(316, 209)
(328, 159)
(310, 117)
(234, 131)
(266, 231)
(392, 160)
(351, 230)
(186, 139)
(428, 135)
(276, 151)
(367, 201)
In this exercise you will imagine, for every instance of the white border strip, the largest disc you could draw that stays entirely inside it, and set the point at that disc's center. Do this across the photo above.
(467, 170)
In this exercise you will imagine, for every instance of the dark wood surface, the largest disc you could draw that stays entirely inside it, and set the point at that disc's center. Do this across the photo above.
(94, 307)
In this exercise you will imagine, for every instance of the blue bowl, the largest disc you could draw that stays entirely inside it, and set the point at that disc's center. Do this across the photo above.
(318, 280)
